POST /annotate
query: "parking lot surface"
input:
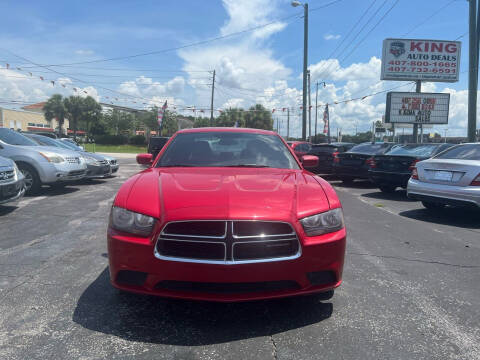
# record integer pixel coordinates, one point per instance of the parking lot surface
(411, 289)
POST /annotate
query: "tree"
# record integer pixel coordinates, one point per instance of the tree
(230, 117)
(91, 113)
(259, 118)
(55, 109)
(75, 109)
(118, 121)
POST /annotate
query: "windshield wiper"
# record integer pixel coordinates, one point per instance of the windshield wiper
(248, 165)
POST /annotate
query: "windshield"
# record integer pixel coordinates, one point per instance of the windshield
(227, 149)
(69, 145)
(413, 150)
(14, 138)
(46, 141)
(463, 152)
(369, 148)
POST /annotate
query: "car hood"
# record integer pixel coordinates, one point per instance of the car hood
(52, 149)
(215, 193)
(4, 162)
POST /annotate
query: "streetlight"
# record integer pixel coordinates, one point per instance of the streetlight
(305, 60)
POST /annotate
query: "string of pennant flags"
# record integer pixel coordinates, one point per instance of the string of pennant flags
(144, 101)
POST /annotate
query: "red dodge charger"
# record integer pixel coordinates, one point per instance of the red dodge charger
(226, 214)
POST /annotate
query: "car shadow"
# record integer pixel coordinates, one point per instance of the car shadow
(90, 182)
(54, 191)
(453, 216)
(357, 184)
(7, 209)
(399, 195)
(152, 319)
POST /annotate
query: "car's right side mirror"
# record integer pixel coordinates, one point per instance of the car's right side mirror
(145, 159)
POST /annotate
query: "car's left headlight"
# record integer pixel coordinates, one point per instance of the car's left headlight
(323, 223)
(131, 222)
(52, 157)
(90, 160)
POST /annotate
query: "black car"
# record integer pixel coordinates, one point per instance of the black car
(327, 154)
(394, 168)
(355, 163)
(155, 145)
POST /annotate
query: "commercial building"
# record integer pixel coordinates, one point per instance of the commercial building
(31, 118)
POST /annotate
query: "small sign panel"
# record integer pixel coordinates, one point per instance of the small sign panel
(415, 59)
(417, 108)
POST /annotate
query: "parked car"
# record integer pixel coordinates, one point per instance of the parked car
(12, 181)
(41, 164)
(300, 147)
(355, 163)
(226, 215)
(394, 168)
(111, 160)
(449, 178)
(97, 165)
(156, 144)
(327, 155)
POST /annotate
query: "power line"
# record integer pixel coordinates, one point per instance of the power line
(428, 18)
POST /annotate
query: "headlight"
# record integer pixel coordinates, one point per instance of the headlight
(90, 160)
(323, 223)
(131, 222)
(16, 171)
(51, 157)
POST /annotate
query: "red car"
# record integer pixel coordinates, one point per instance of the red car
(226, 214)
(300, 148)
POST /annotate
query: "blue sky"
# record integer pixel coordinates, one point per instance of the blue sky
(258, 66)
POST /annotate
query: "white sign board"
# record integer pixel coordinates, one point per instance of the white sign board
(426, 60)
(417, 108)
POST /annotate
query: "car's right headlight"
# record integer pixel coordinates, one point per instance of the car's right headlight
(90, 160)
(52, 157)
(323, 223)
(131, 222)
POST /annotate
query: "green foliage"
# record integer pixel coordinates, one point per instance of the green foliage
(203, 122)
(256, 117)
(55, 109)
(149, 120)
(137, 140)
(359, 138)
(111, 139)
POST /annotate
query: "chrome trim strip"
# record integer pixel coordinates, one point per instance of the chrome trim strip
(260, 236)
(294, 256)
(173, 258)
(196, 236)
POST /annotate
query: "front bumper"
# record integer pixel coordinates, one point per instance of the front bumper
(133, 267)
(444, 194)
(12, 191)
(65, 172)
(98, 171)
(389, 178)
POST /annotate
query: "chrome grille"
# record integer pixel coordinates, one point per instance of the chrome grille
(113, 162)
(72, 160)
(227, 242)
(6, 175)
(103, 162)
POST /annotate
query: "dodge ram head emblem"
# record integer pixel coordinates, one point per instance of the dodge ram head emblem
(397, 48)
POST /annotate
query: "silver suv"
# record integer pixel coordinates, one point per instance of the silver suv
(12, 185)
(41, 164)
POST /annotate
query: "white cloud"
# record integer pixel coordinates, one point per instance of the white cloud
(233, 103)
(84, 52)
(331, 37)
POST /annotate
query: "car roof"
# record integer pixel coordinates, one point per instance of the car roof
(227, 129)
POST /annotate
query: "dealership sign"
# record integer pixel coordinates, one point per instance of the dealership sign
(426, 60)
(417, 108)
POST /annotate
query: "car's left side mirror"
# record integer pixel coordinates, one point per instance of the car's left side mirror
(145, 159)
(309, 161)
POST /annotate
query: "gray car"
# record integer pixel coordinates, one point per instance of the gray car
(450, 178)
(12, 184)
(97, 165)
(41, 164)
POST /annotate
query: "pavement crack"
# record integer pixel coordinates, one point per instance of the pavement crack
(274, 345)
(416, 260)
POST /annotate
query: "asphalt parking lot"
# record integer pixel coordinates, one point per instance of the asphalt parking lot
(411, 289)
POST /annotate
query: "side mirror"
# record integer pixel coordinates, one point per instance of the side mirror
(144, 159)
(309, 161)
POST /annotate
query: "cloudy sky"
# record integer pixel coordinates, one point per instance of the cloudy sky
(141, 53)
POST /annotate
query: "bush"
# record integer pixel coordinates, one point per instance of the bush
(137, 140)
(111, 139)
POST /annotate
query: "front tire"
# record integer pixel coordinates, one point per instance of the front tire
(433, 206)
(32, 180)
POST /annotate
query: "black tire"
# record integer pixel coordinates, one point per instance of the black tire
(433, 206)
(387, 188)
(32, 180)
(347, 180)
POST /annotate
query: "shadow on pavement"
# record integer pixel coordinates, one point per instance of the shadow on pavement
(187, 323)
(7, 209)
(91, 182)
(357, 184)
(399, 195)
(460, 217)
(54, 191)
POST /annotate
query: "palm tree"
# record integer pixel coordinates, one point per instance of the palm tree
(55, 109)
(92, 111)
(75, 109)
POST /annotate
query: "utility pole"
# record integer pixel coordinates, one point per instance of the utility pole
(316, 111)
(211, 104)
(288, 123)
(309, 109)
(473, 70)
(415, 126)
(305, 62)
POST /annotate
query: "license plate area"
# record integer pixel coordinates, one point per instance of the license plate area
(443, 175)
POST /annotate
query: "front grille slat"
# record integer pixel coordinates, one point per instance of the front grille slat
(6, 175)
(227, 242)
